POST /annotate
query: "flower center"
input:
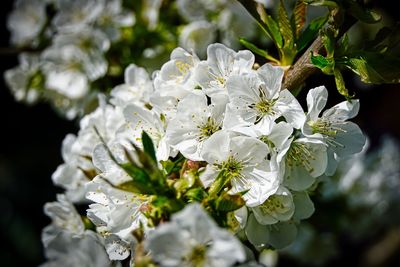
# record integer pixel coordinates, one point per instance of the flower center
(231, 166)
(326, 128)
(208, 128)
(197, 255)
(273, 205)
(300, 155)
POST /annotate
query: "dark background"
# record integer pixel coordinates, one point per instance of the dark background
(31, 140)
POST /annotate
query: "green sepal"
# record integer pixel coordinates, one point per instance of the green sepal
(216, 187)
(174, 165)
(147, 163)
(226, 202)
(161, 208)
(196, 194)
(141, 182)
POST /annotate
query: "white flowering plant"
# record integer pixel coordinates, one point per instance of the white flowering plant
(69, 51)
(210, 160)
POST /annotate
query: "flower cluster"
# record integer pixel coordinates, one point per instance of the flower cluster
(367, 183)
(69, 41)
(72, 50)
(209, 19)
(218, 132)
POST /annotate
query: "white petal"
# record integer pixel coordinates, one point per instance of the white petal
(258, 235)
(304, 207)
(290, 109)
(282, 234)
(342, 111)
(316, 101)
(272, 76)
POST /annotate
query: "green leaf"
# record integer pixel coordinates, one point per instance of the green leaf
(375, 68)
(343, 45)
(340, 86)
(322, 3)
(140, 183)
(310, 33)
(299, 16)
(361, 13)
(148, 146)
(285, 26)
(323, 63)
(329, 41)
(272, 27)
(253, 48)
(256, 50)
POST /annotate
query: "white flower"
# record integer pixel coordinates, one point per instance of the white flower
(192, 238)
(140, 119)
(25, 80)
(175, 77)
(69, 251)
(117, 249)
(174, 81)
(26, 21)
(343, 138)
(278, 207)
(194, 10)
(221, 63)
(194, 123)
(64, 218)
(77, 151)
(76, 14)
(150, 12)
(197, 36)
(112, 18)
(113, 211)
(305, 160)
(256, 98)
(245, 160)
(70, 175)
(278, 235)
(65, 72)
(137, 88)
(110, 170)
(90, 59)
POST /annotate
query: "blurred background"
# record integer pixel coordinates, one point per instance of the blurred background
(31, 139)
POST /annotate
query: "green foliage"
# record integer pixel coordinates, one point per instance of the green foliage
(298, 18)
(311, 32)
(377, 61)
(256, 50)
(148, 146)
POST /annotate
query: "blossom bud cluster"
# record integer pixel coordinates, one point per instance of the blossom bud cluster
(240, 135)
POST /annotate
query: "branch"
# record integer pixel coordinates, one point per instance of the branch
(303, 68)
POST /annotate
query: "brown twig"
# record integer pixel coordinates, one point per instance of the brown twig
(303, 68)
